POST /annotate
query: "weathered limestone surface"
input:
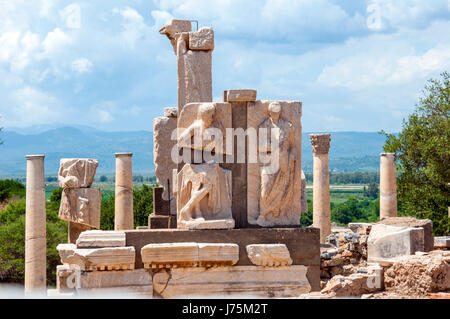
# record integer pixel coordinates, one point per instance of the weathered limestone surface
(163, 128)
(442, 242)
(171, 112)
(218, 253)
(203, 39)
(426, 224)
(35, 226)
(139, 280)
(240, 95)
(353, 285)
(194, 61)
(109, 258)
(274, 187)
(76, 172)
(272, 255)
(419, 274)
(65, 251)
(302, 243)
(388, 187)
(360, 227)
(204, 197)
(123, 215)
(386, 242)
(101, 239)
(194, 121)
(74, 230)
(81, 205)
(170, 255)
(321, 184)
(248, 281)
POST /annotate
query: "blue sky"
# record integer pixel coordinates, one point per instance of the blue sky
(355, 65)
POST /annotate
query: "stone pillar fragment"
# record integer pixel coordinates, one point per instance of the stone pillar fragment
(35, 226)
(194, 60)
(388, 187)
(321, 184)
(123, 216)
(239, 100)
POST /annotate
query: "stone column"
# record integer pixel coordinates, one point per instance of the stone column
(35, 227)
(388, 187)
(321, 184)
(124, 218)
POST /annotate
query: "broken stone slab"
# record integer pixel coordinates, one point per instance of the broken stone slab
(203, 39)
(207, 224)
(109, 258)
(386, 242)
(360, 228)
(272, 255)
(76, 172)
(188, 255)
(174, 27)
(236, 281)
(224, 254)
(101, 239)
(171, 112)
(353, 285)
(409, 221)
(81, 205)
(241, 95)
(169, 254)
(442, 242)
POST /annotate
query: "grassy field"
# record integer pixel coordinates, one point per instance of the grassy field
(340, 193)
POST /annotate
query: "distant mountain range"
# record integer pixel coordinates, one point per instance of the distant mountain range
(349, 152)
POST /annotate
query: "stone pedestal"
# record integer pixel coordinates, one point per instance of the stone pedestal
(123, 218)
(35, 226)
(321, 184)
(388, 187)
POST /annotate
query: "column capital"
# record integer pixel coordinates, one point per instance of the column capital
(32, 157)
(123, 154)
(388, 155)
(320, 143)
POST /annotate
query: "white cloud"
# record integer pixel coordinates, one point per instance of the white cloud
(82, 66)
(55, 41)
(72, 16)
(31, 107)
(134, 25)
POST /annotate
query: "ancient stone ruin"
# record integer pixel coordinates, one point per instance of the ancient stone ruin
(227, 208)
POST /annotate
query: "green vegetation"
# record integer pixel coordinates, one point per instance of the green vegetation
(10, 188)
(12, 240)
(142, 207)
(423, 157)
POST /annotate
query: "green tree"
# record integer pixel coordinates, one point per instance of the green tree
(371, 191)
(12, 240)
(423, 157)
(103, 179)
